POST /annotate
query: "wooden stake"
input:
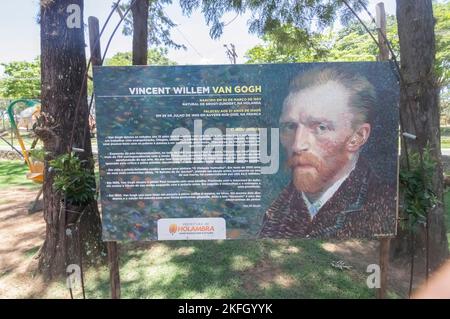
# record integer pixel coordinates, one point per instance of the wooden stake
(113, 256)
(381, 27)
(384, 242)
(114, 275)
(94, 42)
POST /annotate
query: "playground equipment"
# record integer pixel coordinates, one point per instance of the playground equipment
(36, 173)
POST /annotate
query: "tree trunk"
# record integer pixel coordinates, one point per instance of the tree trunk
(140, 32)
(419, 108)
(63, 65)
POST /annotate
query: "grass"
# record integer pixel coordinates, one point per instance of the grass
(445, 137)
(13, 173)
(216, 269)
(447, 208)
(445, 142)
(227, 269)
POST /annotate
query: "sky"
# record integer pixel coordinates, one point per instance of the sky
(19, 32)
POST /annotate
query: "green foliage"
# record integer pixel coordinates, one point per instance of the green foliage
(353, 43)
(441, 12)
(416, 186)
(22, 79)
(445, 101)
(282, 46)
(214, 10)
(445, 131)
(38, 154)
(73, 179)
(268, 15)
(159, 24)
(157, 56)
(290, 44)
(120, 59)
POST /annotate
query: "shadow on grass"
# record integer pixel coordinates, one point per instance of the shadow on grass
(230, 269)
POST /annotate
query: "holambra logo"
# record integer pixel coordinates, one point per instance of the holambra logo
(173, 228)
(191, 228)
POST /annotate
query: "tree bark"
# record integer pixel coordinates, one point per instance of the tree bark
(140, 32)
(419, 108)
(63, 66)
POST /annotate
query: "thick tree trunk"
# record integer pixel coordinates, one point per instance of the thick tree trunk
(63, 64)
(140, 32)
(419, 107)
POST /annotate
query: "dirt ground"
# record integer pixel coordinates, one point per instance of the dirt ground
(21, 235)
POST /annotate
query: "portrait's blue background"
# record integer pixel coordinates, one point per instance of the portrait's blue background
(116, 115)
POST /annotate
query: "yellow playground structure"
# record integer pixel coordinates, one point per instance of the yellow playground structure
(36, 168)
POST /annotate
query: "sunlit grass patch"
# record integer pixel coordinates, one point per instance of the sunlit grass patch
(13, 173)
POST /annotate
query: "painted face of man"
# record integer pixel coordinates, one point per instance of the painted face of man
(318, 132)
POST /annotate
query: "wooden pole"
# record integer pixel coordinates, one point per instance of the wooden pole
(386, 241)
(381, 27)
(113, 256)
(114, 276)
(139, 11)
(385, 244)
(94, 44)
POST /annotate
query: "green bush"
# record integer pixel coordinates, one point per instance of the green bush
(445, 131)
(416, 184)
(73, 179)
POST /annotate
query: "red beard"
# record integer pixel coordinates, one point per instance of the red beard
(311, 174)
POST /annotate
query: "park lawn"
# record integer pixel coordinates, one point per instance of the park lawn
(445, 142)
(212, 269)
(225, 269)
(445, 137)
(447, 208)
(13, 174)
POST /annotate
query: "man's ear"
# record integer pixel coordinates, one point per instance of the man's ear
(359, 137)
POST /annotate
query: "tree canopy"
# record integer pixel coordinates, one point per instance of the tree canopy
(23, 79)
(310, 16)
(287, 43)
(351, 43)
(156, 56)
(441, 13)
(159, 24)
